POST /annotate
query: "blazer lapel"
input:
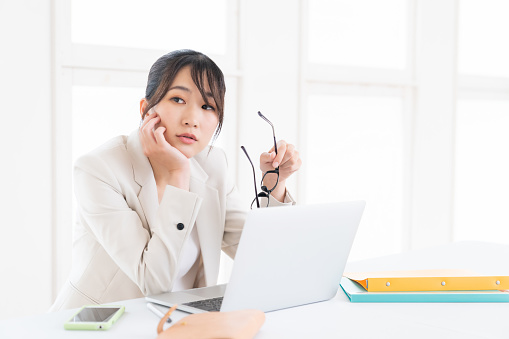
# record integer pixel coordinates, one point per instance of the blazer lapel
(209, 222)
(144, 176)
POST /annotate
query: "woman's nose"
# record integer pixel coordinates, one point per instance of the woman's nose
(190, 118)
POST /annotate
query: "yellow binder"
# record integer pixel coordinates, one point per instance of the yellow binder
(427, 280)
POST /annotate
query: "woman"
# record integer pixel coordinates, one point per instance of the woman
(156, 207)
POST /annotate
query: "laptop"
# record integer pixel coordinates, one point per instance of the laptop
(287, 256)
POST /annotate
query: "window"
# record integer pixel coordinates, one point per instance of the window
(101, 113)
(482, 168)
(482, 121)
(366, 33)
(483, 47)
(356, 118)
(152, 24)
(355, 145)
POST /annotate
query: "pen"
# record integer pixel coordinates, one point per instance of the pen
(157, 311)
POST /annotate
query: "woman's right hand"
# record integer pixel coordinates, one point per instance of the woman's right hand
(170, 166)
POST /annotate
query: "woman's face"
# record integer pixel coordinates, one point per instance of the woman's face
(189, 121)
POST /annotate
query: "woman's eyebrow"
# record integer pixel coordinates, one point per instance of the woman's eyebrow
(181, 88)
(208, 94)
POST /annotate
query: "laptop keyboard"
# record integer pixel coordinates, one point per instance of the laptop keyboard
(210, 305)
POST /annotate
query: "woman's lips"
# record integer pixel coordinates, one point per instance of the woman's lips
(187, 138)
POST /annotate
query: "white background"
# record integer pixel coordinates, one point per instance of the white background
(402, 103)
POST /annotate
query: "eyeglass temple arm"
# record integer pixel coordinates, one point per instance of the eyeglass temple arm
(254, 176)
(273, 133)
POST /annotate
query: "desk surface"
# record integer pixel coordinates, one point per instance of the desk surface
(337, 317)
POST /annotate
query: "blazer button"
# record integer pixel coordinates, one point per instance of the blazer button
(180, 226)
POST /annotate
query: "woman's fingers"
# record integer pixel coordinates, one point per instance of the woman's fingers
(147, 119)
(159, 135)
(148, 129)
(147, 136)
(287, 158)
(281, 150)
(291, 166)
(285, 152)
(267, 158)
(165, 159)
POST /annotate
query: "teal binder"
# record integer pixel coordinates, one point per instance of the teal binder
(357, 294)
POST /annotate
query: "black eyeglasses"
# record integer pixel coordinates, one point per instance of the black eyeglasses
(265, 193)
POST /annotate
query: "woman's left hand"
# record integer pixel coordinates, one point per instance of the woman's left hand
(289, 162)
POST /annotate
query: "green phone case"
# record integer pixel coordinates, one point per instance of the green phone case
(70, 325)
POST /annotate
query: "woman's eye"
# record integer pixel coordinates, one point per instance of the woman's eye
(177, 100)
(208, 107)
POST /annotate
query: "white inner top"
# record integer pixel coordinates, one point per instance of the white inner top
(188, 263)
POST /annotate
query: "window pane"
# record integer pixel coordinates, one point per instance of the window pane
(101, 113)
(355, 152)
(365, 33)
(482, 168)
(151, 24)
(483, 47)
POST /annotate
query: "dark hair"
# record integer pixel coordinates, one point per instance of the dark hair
(164, 70)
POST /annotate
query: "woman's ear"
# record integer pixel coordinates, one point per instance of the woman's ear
(143, 105)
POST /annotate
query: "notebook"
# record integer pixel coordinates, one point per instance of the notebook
(287, 256)
(427, 280)
(357, 293)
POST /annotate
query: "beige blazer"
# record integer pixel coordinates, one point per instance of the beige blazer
(126, 244)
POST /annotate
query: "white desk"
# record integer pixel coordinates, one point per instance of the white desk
(337, 318)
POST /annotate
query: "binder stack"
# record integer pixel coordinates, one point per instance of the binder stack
(425, 286)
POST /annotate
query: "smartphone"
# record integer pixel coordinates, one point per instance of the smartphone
(95, 317)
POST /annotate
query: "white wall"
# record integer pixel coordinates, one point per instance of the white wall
(25, 139)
